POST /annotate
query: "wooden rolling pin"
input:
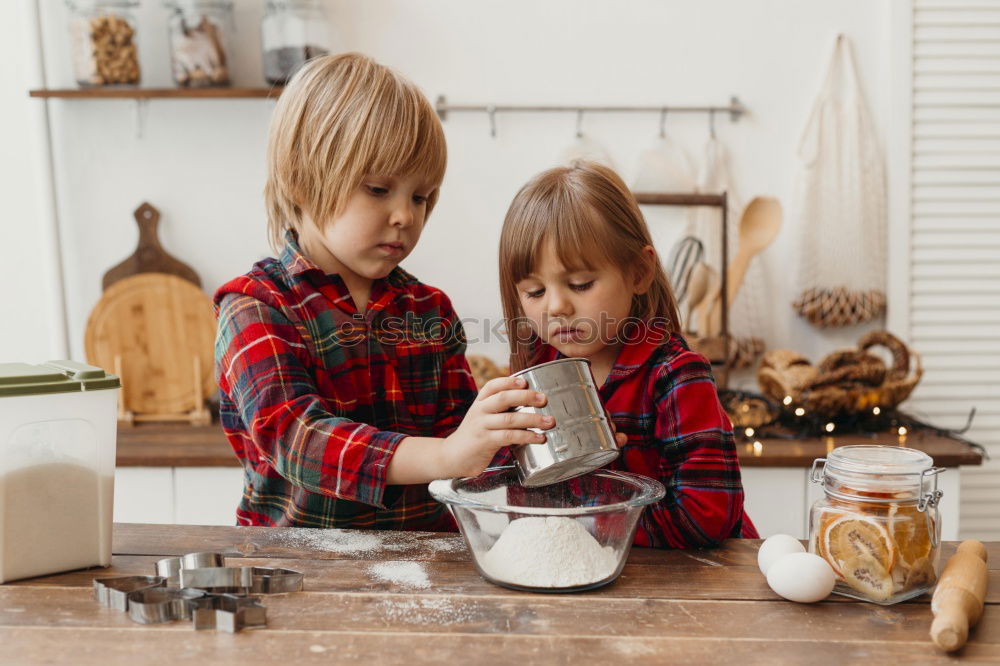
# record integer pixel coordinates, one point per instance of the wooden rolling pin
(958, 601)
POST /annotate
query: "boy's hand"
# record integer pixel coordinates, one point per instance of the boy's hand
(490, 425)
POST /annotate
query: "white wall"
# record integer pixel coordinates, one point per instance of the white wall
(31, 320)
(201, 162)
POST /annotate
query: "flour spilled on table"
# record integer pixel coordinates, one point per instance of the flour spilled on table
(368, 544)
(548, 552)
(406, 574)
(436, 611)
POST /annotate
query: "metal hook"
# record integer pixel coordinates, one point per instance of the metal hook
(579, 123)
(663, 123)
(141, 112)
(492, 112)
(711, 123)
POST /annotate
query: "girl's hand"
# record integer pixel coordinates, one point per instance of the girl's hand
(490, 425)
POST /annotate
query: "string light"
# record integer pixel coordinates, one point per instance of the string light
(806, 423)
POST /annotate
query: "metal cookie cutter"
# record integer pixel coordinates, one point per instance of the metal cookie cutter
(276, 581)
(114, 592)
(218, 579)
(170, 567)
(229, 612)
(206, 571)
(161, 604)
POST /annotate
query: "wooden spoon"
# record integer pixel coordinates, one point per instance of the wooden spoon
(697, 288)
(705, 307)
(759, 225)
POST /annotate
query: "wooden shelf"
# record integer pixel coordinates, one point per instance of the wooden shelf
(680, 199)
(158, 93)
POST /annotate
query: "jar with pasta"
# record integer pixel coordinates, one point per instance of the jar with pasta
(199, 39)
(103, 36)
(877, 524)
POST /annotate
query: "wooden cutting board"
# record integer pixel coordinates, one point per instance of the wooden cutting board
(157, 324)
(149, 255)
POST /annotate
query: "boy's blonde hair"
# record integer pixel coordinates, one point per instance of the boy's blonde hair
(591, 218)
(339, 119)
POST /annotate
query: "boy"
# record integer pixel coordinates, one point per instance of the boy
(344, 383)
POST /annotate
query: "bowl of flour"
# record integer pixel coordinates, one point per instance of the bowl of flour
(568, 536)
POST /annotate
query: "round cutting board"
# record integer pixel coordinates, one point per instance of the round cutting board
(157, 324)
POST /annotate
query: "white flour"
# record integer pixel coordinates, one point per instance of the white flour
(436, 611)
(548, 552)
(407, 574)
(54, 517)
(366, 545)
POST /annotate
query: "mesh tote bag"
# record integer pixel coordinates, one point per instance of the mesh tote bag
(841, 204)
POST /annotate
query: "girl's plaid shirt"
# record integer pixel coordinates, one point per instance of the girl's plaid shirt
(662, 396)
(316, 397)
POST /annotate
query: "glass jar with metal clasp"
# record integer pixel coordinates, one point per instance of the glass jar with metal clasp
(103, 42)
(292, 32)
(877, 524)
(199, 33)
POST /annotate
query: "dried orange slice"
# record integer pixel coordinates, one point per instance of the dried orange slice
(849, 536)
(922, 573)
(910, 531)
(867, 576)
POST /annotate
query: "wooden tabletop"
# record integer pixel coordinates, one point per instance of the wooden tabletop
(171, 445)
(667, 606)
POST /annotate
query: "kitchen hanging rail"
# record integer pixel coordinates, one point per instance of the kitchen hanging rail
(735, 109)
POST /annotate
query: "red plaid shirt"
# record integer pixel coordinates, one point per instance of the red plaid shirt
(316, 396)
(662, 395)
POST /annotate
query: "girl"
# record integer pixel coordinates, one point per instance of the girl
(579, 277)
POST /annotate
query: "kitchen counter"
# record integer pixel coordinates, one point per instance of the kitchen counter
(678, 606)
(168, 445)
(170, 473)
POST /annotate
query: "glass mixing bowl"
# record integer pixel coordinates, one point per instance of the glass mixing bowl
(568, 536)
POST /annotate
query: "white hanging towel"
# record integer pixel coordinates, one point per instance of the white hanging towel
(714, 177)
(664, 167)
(586, 149)
(840, 203)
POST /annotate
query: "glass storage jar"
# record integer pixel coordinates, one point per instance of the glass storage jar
(103, 45)
(198, 31)
(877, 524)
(292, 32)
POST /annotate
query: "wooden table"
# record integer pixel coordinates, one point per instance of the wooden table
(667, 606)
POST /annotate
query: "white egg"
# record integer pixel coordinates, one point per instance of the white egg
(801, 577)
(774, 547)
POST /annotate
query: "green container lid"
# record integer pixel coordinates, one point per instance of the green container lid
(53, 377)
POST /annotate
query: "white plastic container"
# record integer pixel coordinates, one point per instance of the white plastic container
(58, 430)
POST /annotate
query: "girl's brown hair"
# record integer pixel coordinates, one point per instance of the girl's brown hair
(591, 219)
(339, 119)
